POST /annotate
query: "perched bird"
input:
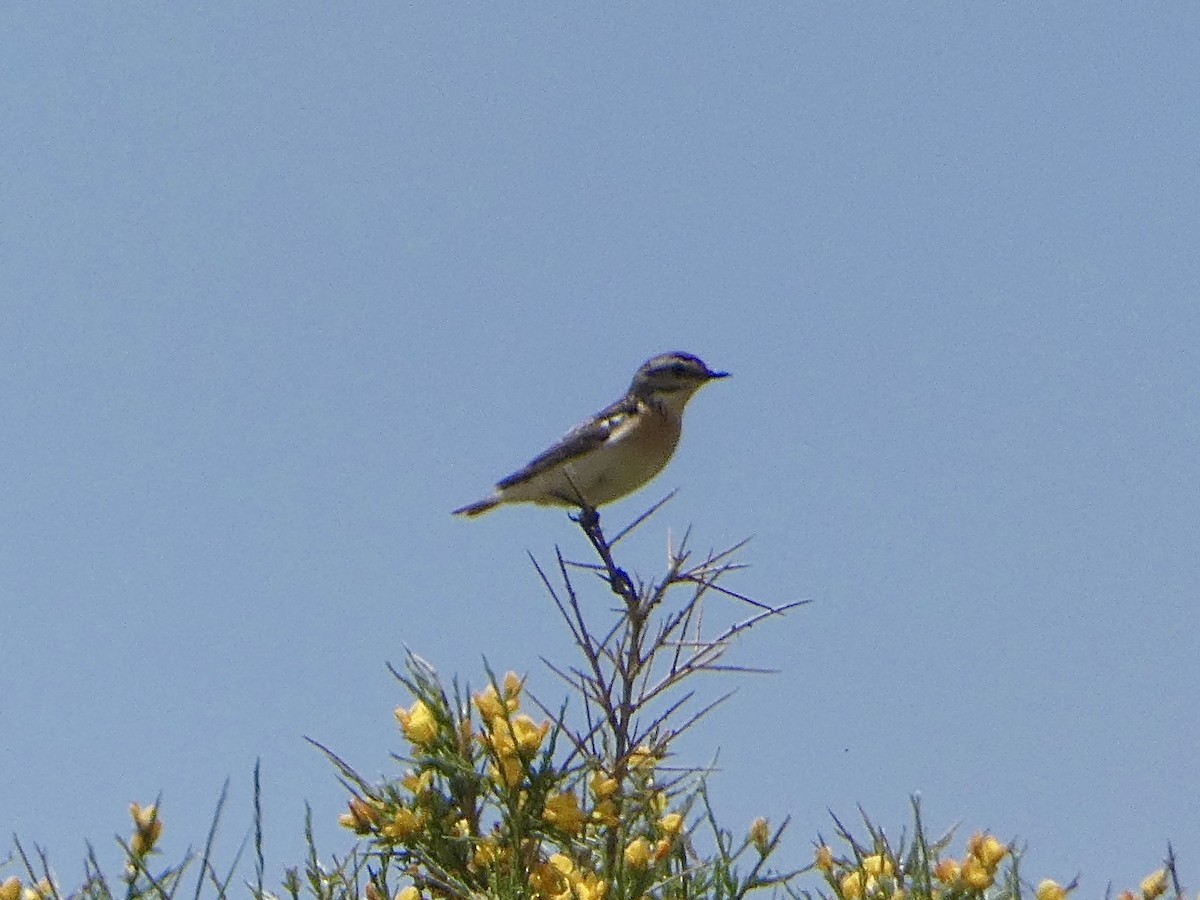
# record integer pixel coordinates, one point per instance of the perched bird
(617, 450)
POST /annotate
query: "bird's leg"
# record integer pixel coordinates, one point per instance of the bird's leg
(589, 518)
(618, 578)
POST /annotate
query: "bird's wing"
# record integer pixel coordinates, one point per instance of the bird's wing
(581, 439)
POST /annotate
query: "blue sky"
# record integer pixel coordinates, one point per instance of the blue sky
(282, 284)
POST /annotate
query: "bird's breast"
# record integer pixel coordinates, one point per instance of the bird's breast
(634, 453)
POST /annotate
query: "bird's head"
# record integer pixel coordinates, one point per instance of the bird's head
(672, 378)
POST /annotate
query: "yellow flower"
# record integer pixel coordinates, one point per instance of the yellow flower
(853, 885)
(975, 874)
(488, 853)
(404, 824)
(604, 786)
(362, 817)
(588, 886)
(1154, 885)
(637, 853)
(549, 881)
(760, 835)
(563, 811)
(143, 817)
(508, 771)
(520, 735)
(418, 723)
(11, 889)
(662, 849)
(1051, 890)
(492, 706)
(143, 841)
(512, 687)
(877, 864)
(148, 828)
(824, 858)
(408, 893)
(43, 890)
(643, 758)
(560, 861)
(418, 784)
(605, 813)
(671, 824)
(989, 851)
(529, 734)
(947, 871)
(489, 704)
(461, 828)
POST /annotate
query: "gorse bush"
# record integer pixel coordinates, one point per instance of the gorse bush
(505, 795)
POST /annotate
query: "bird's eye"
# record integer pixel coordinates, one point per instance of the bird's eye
(678, 368)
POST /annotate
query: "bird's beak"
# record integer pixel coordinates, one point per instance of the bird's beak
(712, 375)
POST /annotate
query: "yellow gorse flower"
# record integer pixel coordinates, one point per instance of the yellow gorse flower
(512, 686)
(643, 759)
(418, 783)
(489, 704)
(824, 859)
(760, 834)
(947, 871)
(1154, 885)
(418, 724)
(529, 734)
(562, 811)
(549, 880)
(10, 889)
(988, 850)
(408, 893)
(1051, 890)
(488, 853)
(605, 813)
(877, 864)
(559, 878)
(671, 824)
(147, 828)
(975, 874)
(853, 885)
(492, 705)
(662, 849)
(604, 786)
(637, 853)
(404, 824)
(588, 886)
(517, 736)
(508, 771)
(362, 818)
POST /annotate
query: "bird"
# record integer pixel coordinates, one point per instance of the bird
(616, 451)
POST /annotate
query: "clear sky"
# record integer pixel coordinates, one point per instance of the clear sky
(281, 284)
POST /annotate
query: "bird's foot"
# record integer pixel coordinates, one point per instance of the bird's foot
(588, 518)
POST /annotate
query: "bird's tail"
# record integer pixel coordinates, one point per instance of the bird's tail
(477, 509)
